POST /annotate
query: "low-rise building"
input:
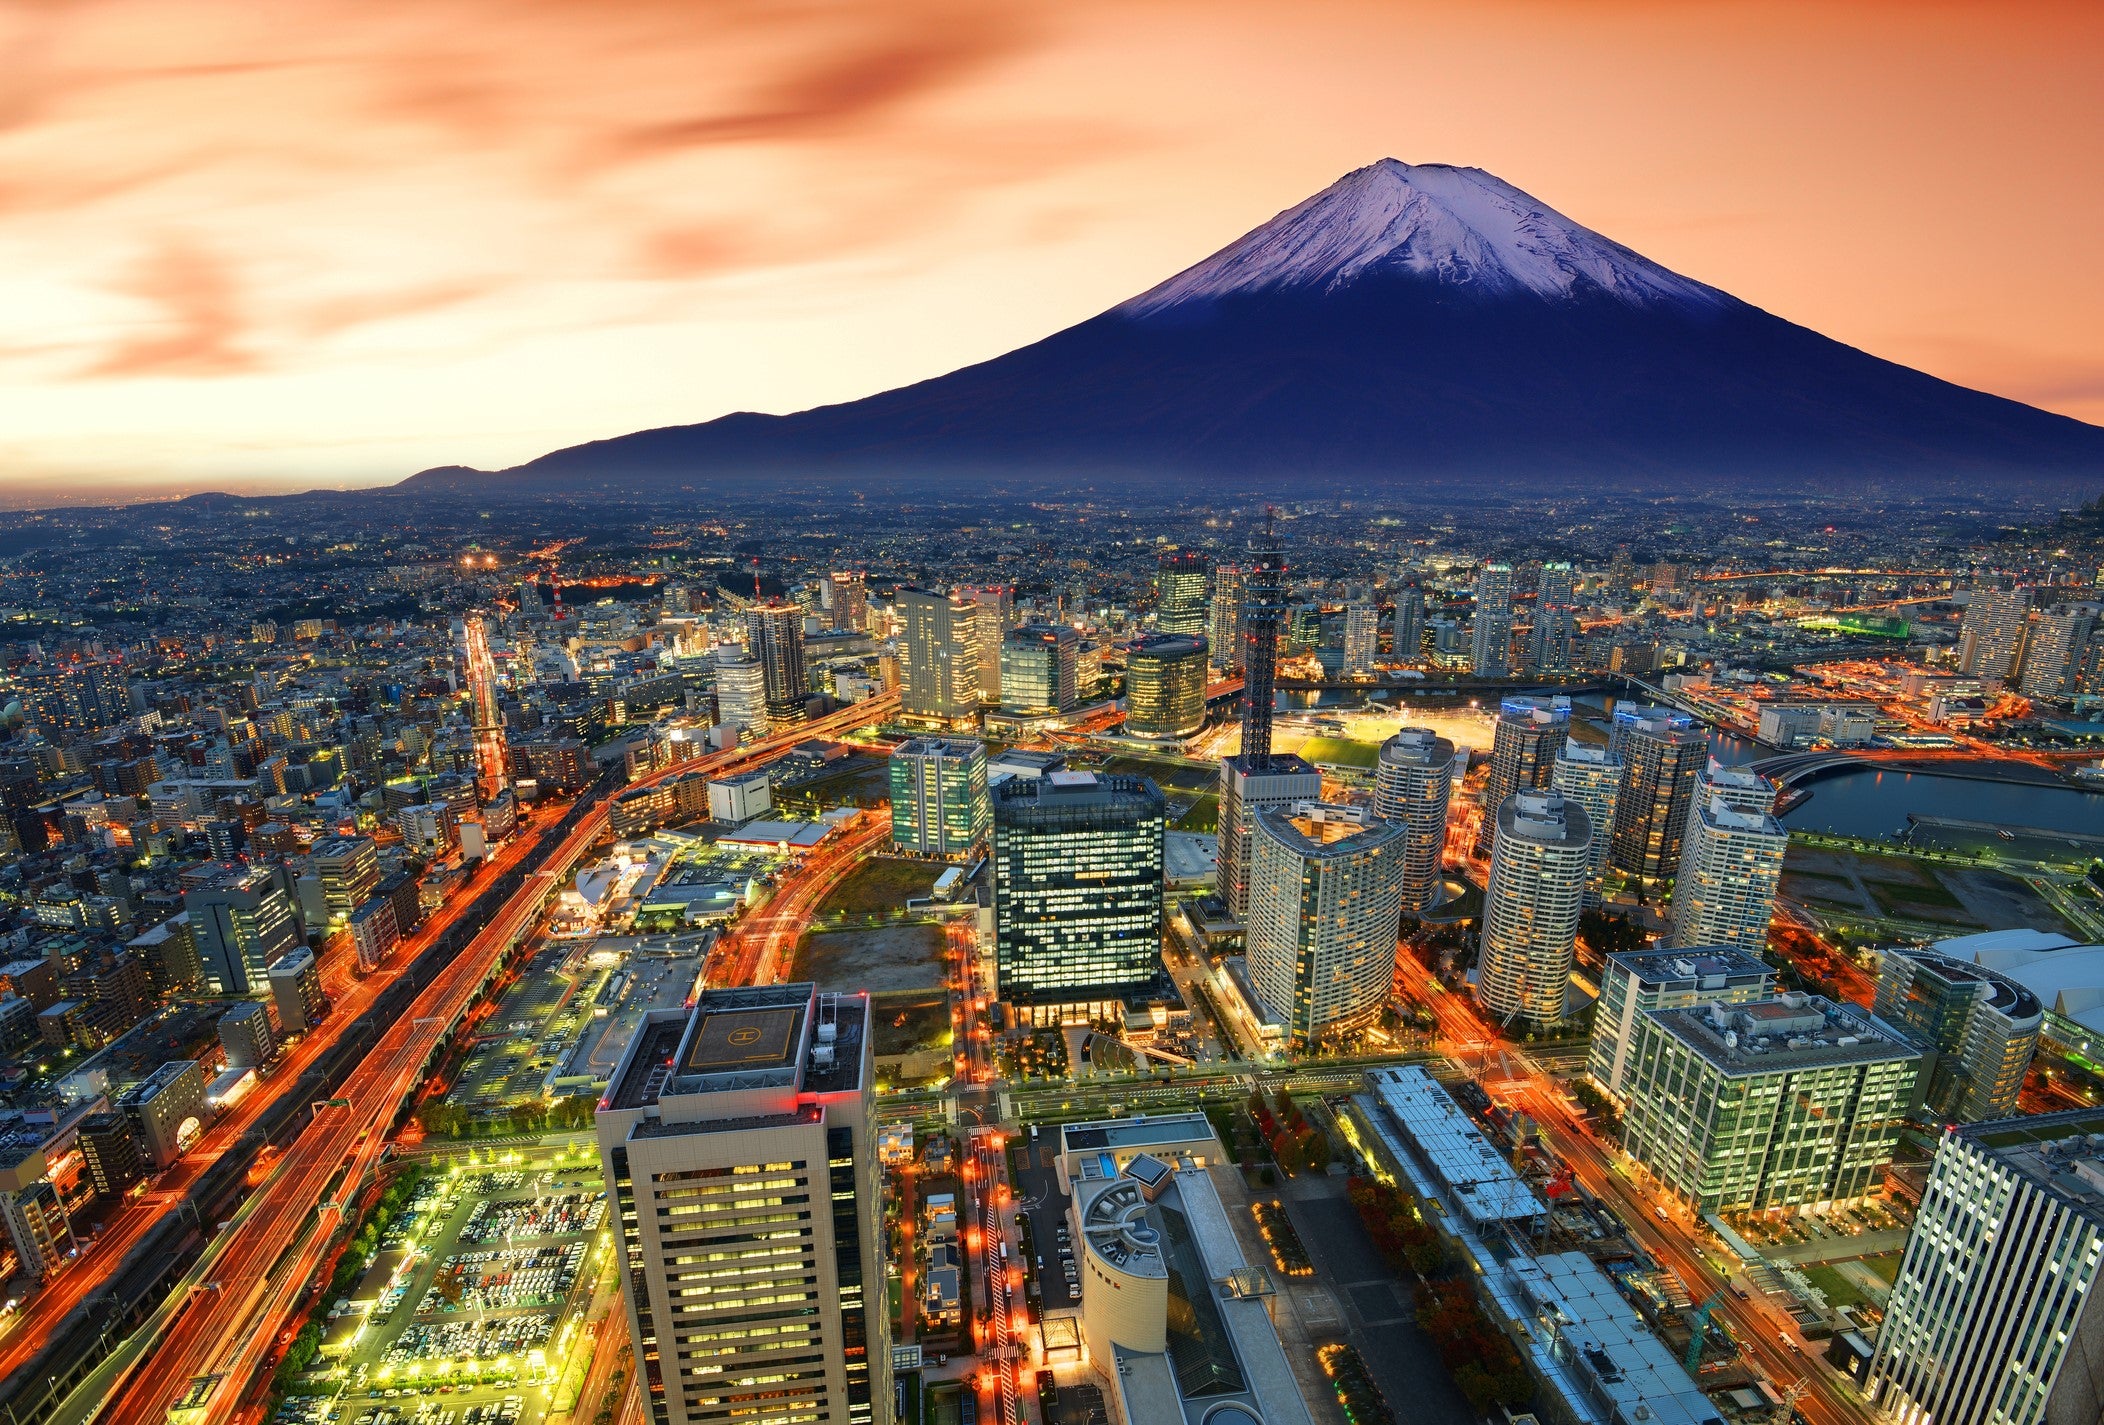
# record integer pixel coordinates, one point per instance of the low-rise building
(1977, 1030)
(167, 1111)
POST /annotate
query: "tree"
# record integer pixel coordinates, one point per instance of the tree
(1475, 1383)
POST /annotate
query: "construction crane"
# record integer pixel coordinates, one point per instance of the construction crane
(488, 722)
(1702, 1320)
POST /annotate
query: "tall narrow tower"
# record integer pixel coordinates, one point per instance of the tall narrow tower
(1263, 610)
(489, 723)
(1255, 778)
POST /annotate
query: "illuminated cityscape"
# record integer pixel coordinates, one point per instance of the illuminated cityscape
(987, 728)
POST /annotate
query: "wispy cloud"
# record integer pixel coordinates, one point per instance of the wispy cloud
(199, 327)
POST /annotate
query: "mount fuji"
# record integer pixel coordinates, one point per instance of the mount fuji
(1408, 324)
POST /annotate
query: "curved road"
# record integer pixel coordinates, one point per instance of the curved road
(253, 1279)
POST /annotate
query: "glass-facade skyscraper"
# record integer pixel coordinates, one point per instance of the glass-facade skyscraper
(1040, 669)
(1165, 686)
(1077, 866)
(1179, 591)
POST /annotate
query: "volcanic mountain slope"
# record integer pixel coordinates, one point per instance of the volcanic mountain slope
(1407, 323)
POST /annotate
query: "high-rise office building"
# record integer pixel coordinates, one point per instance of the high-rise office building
(993, 613)
(1538, 866)
(1413, 783)
(1225, 619)
(1040, 669)
(1179, 592)
(1991, 634)
(1976, 1027)
(1410, 622)
(1592, 777)
(735, 1139)
(1785, 1102)
(1635, 982)
(1530, 732)
(850, 601)
(1256, 777)
(938, 797)
(1324, 901)
(939, 658)
(741, 691)
(2054, 648)
(241, 920)
(1362, 639)
(1077, 870)
(1490, 650)
(774, 635)
(1662, 752)
(1995, 1315)
(1731, 863)
(1165, 675)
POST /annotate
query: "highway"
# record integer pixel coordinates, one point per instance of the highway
(351, 997)
(248, 1289)
(763, 946)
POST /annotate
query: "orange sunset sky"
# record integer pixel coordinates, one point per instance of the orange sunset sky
(331, 242)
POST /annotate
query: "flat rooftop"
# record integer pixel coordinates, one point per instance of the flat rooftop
(1700, 967)
(781, 1037)
(2062, 1152)
(1141, 1132)
(1607, 1342)
(742, 1039)
(1474, 1172)
(1783, 1034)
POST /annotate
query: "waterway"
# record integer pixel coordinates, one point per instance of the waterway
(1872, 802)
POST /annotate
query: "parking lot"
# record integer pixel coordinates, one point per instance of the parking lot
(502, 1264)
(1039, 1199)
(435, 1410)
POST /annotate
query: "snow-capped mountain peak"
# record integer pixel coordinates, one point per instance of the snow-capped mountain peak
(1459, 227)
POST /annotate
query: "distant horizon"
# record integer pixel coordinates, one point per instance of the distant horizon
(472, 243)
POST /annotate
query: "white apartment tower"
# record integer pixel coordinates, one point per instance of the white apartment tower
(1491, 642)
(1538, 866)
(1730, 865)
(1992, 632)
(1362, 639)
(1592, 777)
(1413, 784)
(1325, 897)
